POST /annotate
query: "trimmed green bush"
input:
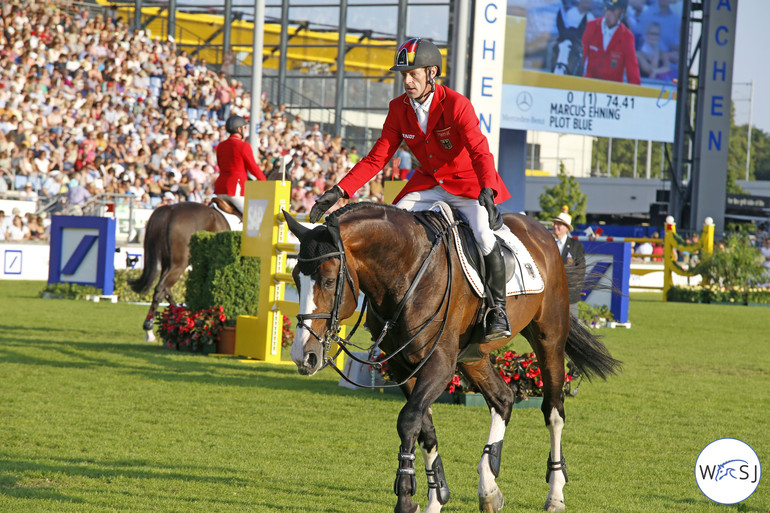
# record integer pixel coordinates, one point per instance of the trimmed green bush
(220, 276)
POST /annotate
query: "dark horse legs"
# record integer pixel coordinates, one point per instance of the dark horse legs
(415, 424)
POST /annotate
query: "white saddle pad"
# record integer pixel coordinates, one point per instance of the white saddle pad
(526, 278)
(232, 219)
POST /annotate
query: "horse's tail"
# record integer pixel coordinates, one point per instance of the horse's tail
(587, 352)
(154, 238)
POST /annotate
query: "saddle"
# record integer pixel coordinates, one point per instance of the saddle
(232, 215)
(521, 273)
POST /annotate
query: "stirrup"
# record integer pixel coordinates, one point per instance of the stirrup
(499, 333)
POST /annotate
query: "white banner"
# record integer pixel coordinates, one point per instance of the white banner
(588, 113)
(487, 72)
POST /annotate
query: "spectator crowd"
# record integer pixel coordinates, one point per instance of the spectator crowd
(89, 106)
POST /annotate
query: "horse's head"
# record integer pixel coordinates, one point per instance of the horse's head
(568, 49)
(326, 294)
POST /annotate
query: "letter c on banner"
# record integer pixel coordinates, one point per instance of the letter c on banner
(486, 13)
(721, 42)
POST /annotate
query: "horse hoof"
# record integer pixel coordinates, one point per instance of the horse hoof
(554, 505)
(149, 336)
(415, 508)
(492, 503)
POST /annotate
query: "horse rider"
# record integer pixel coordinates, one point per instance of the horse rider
(441, 129)
(236, 163)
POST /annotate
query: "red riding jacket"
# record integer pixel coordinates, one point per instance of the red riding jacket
(619, 56)
(453, 152)
(235, 157)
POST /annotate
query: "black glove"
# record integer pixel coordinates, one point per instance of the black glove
(325, 202)
(487, 200)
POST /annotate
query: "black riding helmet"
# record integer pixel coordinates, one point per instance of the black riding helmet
(417, 53)
(233, 123)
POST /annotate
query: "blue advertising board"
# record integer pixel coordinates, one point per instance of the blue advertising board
(82, 251)
(608, 274)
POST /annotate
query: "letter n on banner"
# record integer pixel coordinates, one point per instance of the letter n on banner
(487, 72)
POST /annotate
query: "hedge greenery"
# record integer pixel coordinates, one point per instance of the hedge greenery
(220, 276)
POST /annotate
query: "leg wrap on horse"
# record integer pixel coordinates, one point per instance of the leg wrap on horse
(556, 465)
(405, 468)
(495, 452)
(437, 480)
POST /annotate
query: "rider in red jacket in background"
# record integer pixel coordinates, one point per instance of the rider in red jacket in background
(609, 50)
(441, 129)
(236, 161)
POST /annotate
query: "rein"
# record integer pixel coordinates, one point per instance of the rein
(332, 333)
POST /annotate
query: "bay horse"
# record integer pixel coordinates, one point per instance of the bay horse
(166, 250)
(568, 48)
(423, 314)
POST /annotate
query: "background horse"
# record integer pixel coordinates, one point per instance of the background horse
(423, 314)
(167, 234)
(567, 51)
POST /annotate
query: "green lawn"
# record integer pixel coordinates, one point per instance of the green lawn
(92, 419)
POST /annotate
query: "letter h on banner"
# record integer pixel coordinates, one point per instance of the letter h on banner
(83, 251)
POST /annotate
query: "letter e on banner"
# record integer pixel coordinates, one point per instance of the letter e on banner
(487, 72)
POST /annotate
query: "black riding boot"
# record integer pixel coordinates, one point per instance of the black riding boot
(496, 320)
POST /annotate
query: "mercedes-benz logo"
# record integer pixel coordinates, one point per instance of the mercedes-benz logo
(524, 101)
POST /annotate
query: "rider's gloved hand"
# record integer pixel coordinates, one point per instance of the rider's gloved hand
(487, 200)
(325, 202)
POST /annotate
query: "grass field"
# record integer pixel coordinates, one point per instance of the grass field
(92, 419)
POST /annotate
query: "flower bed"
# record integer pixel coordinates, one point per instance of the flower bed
(183, 329)
(520, 371)
(719, 294)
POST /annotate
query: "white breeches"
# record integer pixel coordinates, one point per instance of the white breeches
(476, 214)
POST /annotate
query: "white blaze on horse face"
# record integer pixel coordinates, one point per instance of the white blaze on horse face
(306, 305)
(562, 60)
(487, 485)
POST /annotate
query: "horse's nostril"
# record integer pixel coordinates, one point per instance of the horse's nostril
(311, 360)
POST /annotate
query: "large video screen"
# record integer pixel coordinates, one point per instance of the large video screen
(604, 68)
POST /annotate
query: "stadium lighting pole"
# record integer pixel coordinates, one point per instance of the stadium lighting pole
(256, 73)
(460, 44)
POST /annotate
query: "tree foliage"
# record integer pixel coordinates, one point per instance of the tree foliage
(622, 157)
(565, 193)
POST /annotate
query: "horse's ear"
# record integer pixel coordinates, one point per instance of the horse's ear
(560, 23)
(583, 22)
(295, 226)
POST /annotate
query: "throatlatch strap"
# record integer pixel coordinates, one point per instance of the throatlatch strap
(556, 465)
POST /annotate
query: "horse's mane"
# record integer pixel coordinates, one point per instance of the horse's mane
(351, 207)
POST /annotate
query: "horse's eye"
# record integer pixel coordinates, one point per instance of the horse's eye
(328, 283)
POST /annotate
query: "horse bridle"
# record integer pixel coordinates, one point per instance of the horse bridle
(332, 332)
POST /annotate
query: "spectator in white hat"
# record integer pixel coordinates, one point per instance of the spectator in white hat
(573, 256)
